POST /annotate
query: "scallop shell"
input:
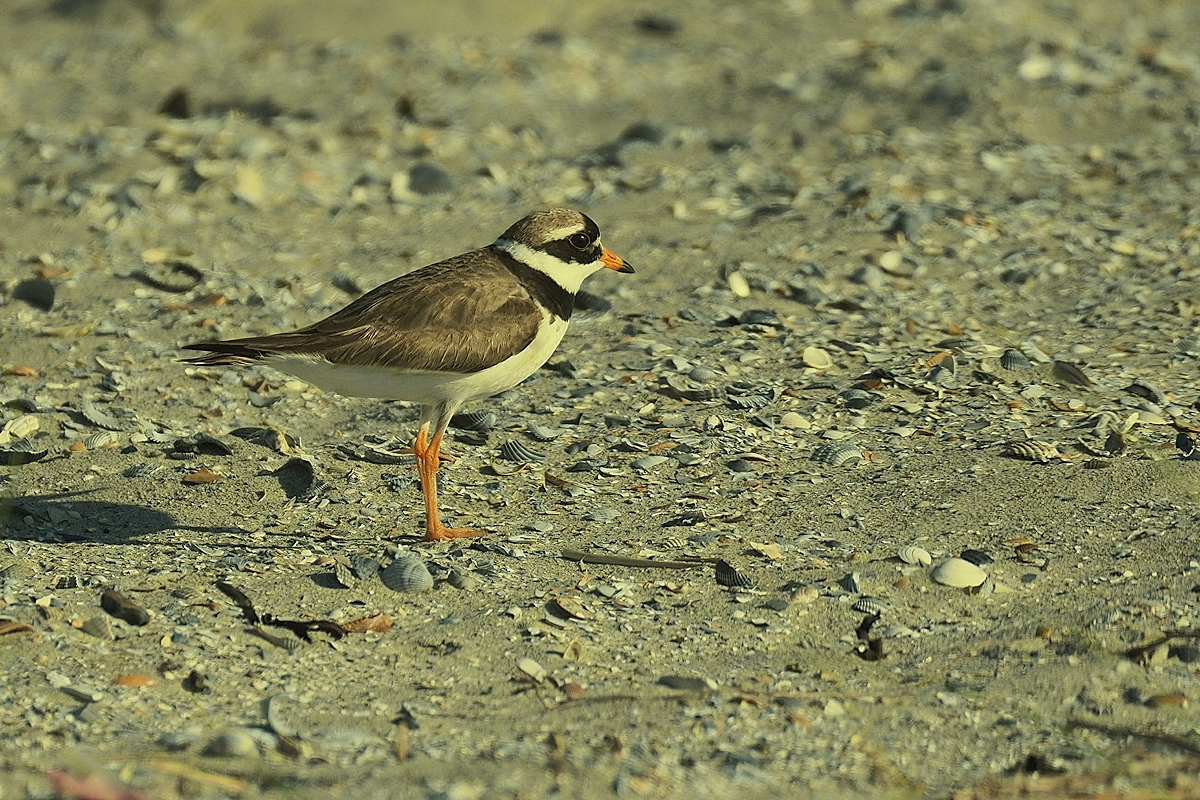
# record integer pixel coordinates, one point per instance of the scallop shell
(958, 573)
(364, 567)
(1032, 450)
(101, 440)
(750, 401)
(835, 454)
(1189, 345)
(729, 575)
(407, 573)
(481, 421)
(869, 605)
(99, 418)
(911, 554)
(519, 452)
(1014, 360)
(544, 433)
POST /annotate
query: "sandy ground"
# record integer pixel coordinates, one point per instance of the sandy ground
(923, 234)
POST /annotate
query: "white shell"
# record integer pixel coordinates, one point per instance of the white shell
(1032, 450)
(958, 573)
(407, 573)
(911, 554)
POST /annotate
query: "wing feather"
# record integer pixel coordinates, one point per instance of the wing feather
(452, 316)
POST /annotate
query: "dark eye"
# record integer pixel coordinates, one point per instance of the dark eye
(580, 241)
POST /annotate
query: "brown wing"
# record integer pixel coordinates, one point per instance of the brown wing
(459, 315)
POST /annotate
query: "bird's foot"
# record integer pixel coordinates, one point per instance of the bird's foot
(441, 532)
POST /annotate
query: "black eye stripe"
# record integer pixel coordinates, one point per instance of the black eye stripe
(564, 251)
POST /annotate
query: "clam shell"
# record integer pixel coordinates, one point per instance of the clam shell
(1032, 450)
(958, 573)
(911, 554)
(750, 401)
(519, 452)
(101, 440)
(729, 575)
(407, 573)
(1014, 360)
(481, 421)
(977, 557)
(835, 454)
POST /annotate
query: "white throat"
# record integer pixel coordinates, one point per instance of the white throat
(568, 275)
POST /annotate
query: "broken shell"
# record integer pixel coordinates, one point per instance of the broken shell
(728, 575)
(407, 573)
(869, 605)
(519, 452)
(911, 554)
(979, 558)
(101, 439)
(364, 567)
(479, 421)
(648, 462)
(171, 276)
(958, 573)
(835, 454)
(1032, 450)
(1066, 372)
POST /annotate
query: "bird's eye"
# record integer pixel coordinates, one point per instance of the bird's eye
(580, 241)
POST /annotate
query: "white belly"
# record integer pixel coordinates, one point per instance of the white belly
(424, 386)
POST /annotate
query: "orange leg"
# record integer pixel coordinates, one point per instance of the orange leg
(427, 467)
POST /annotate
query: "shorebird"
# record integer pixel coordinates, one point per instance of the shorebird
(446, 334)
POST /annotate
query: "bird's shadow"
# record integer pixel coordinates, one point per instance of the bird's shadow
(72, 517)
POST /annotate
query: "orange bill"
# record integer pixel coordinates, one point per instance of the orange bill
(614, 261)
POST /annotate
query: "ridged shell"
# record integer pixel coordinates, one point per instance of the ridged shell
(835, 454)
(850, 582)
(481, 421)
(911, 554)
(101, 440)
(729, 575)
(364, 567)
(1014, 360)
(869, 605)
(958, 573)
(1189, 345)
(519, 452)
(648, 462)
(99, 418)
(1032, 450)
(750, 401)
(977, 557)
(544, 433)
(407, 573)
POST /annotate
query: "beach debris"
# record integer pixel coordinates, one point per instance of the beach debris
(1033, 450)
(912, 554)
(121, 607)
(406, 573)
(835, 454)
(959, 574)
(729, 575)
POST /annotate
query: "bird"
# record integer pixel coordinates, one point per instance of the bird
(446, 334)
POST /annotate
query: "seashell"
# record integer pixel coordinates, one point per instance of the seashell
(601, 515)
(544, 433)
(203, 444)
(1066, 372)
(750, 401)
(648, 462)
(480, 421)
(22, 451)
(911, 554)
(143, 470)
(407, 573)
(857, 398)
(702, 374)
(101, 440)
(816, 358)
(835, 454)
(1014, 360)
(99, 418)
(958, 573)
(1185, 443)
(979, 558)
(1032, 450)
(850, 582)
(22, 427)
(344, 575)
(760, 316)
(99, 627)
(269, 438)
(1147, 390)
(729, 575)
(869, 605)
(364, 567)
(519, 452)
(1189, 345)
